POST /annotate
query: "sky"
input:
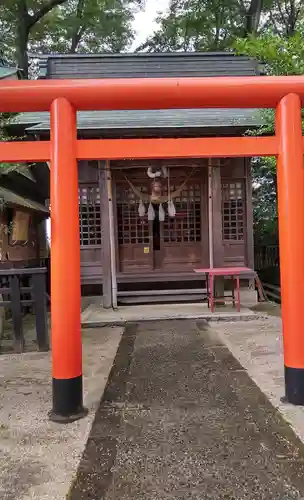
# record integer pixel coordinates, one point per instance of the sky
(144, 23)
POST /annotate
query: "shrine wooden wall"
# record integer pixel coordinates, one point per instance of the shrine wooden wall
(90, 222)
(236, 212)
(184, 238)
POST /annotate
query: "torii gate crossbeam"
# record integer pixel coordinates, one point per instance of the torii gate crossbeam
(64, 97)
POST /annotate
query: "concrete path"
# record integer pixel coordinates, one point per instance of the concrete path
(181, 419)
(94, 315)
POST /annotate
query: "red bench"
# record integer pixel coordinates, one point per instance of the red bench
(235, 274)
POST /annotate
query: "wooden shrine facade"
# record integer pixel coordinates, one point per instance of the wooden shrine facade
(212, 221)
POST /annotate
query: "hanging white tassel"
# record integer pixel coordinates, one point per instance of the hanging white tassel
(151, 212)
(171, 206)
(141, 209)
(171, 209)
(161, 213)
(164, 172)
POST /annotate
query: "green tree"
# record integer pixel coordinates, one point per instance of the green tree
(204, 24)
(215, 24)
(5, 168)
(284, 16)
(64, 26)
(18, 20)
(280, 56)
(87, 26)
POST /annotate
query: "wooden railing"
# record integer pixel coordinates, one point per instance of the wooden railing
(267, 264)
(272, 292)
(21, 288)
(267, 257)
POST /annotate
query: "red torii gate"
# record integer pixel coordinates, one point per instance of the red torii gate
(64, 97)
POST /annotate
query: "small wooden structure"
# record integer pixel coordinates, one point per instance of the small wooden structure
(23, 240)
(134, 252)
(23, 207)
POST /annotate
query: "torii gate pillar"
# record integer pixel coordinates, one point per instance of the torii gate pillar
(65, 268)
(290, 176)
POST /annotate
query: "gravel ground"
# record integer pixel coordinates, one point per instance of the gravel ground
(38, 458)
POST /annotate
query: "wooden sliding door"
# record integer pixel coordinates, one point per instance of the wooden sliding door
(182, 234)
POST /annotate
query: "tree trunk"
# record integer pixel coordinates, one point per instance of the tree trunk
(253, 16)
(74, 42)
(76, 39)
(22, 37)
(25, 23)
(292, 19)
(79, 30)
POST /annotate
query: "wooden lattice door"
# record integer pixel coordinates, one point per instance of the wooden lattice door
(234, 221)
(182, 238)
(172, 245)
(90, 230)
(133, 231)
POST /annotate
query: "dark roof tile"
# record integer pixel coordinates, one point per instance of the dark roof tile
(152, 119)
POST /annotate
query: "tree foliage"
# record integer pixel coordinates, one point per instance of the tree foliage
(280, 56)
(87, 26)
(64, 26)
(5, 119)
(265, 220)
(214, 24)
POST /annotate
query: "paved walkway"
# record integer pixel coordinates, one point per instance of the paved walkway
(94, 315)
(181, 419)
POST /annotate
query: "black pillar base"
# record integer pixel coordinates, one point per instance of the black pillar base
(294, 386)
(67, 400)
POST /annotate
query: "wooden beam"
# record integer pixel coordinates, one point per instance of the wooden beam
(217, 224)
(210, 213)
(249, 217)
(105, 231)
(204, 217)
(217, 227)
(113, 246)
(122, 149)
(217, 147)
(17, 151)
(150, 93)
